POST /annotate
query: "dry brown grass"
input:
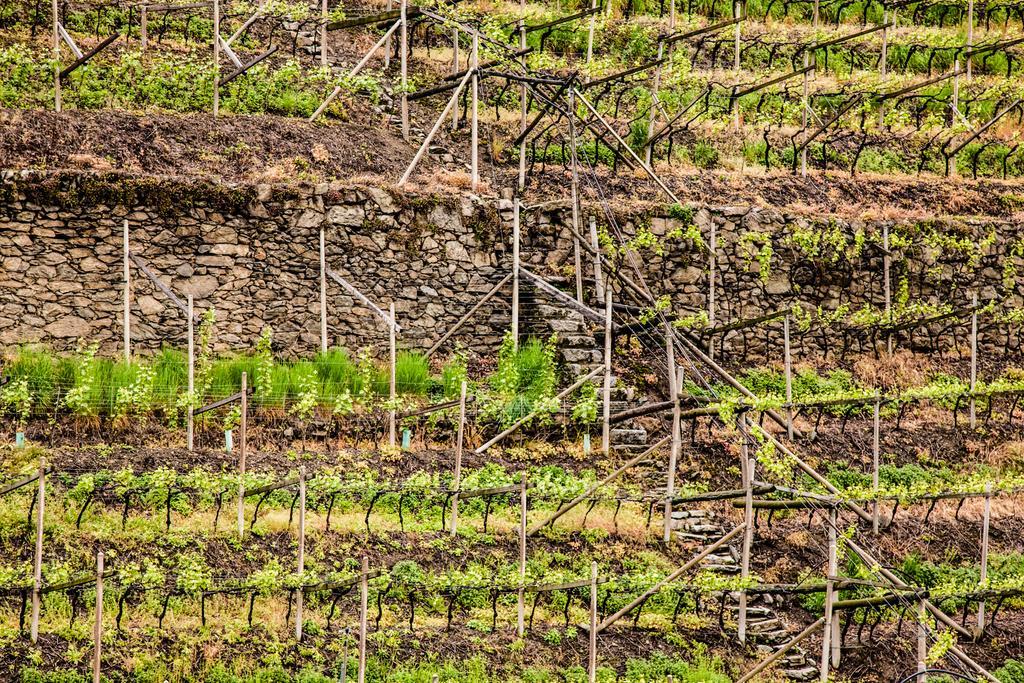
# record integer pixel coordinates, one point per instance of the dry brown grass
(900, 370)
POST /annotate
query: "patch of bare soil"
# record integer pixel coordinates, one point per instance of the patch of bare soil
(269, 149)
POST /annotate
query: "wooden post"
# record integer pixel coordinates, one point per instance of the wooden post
(515, 272)
(323, 34)
(323, 292)
(712, 269)
(457, 479)
(37, 563)
(748, 521)
(673, 391)
(883, 66)
(887, 284)
(653, 116)
(955, 104)
(592, 666)
(404, 46)
(806, 104)
(301, 564)
(974, 358)
(787, 363)
(736, 58)
(97, 629)
(127, 298)
(474, 152)
(216, 57)
(364, 591)
(455, 70)
(826, 641)
(521, 611)
(595, 246)
(191, 372)
(143, 28)
(523, 102)
(922, 640)
(577, 260)
(392, 394)
(606, 398)
(590, 38)
(875, 464)
(970, 36)
(817, 3)
(835, 638)
(387, 52)
(243, 425)
(57, 105)
(983, 577)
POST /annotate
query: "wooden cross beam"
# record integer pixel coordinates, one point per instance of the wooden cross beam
(82, 59)
(245, 67)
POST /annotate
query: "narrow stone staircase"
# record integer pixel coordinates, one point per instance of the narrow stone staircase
(766, 629)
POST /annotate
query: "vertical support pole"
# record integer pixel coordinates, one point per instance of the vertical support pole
(575, 194)
(590, 38)
(97, 629)
(515, 272)
(955, 104)
(875, 464)
(37, 561)
(970, 36)
(592, 649)
(521, 610)
(404, 46)
(323, 292)
(301, 563)
(826, 641)
(144, 28)
(673, 392)
(457, 478)
(712, 277)
(736, 61)
(388, 49)
(191, 371)
(392, 347)
(522, 110)
(323, 34)
(455, 70)
(606, 398)
(127, 297)
(974, 359)
(241, 454)
(595, 244)
(748, 519)
(652, 117)
(887, 284)
(883, 61)
(216, 57)
(817, 12)
(922, 640)
(364, 591)
(787, 364)
(806, 105)
(57, 103)
(474, 153)
(983, 576)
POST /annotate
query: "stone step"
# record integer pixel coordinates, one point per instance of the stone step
(764, 624)
(723, 568)
(807, 673)
(627, 436)
(752, 612)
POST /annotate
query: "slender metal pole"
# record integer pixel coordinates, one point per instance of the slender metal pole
(875, 463)
(883, 61)
(983, 575)
(673, 391)
(455, 70)
(606, 398)
(590, 38)
(475, 122)
(392, 394)
(970, 36)
(191, 372)
(523, 104)
(387, 53)
(364, 591)
(922, 640)
(712, 281)
(57, 100)
(974, 359)
(323, 293)
(887, 285)
(806, 105)
(592, 649)
(788, 368)
(826, 641)
(37, 564)
(242, 453)
(652, 118)
(575, 194)
(521, 610)
(748, 521)
(301, 563)
(216, 57)
(516, 208)
(127, 298)
(404, 46)
(97, 632)
(595, 247)
(457, 477)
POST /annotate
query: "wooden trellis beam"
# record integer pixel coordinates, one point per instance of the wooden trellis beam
(245, 67)
(674, 38)
(773, 81)
(84, 58)
(563, 20)
(844, 38)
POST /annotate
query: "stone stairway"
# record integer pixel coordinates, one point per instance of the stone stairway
(766, 628)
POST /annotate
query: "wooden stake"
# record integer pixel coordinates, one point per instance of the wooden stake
(673, 391)
(883, 66)
(974, 358)
(983, 577)
(887, 284)
(592, 666)
(595, 249)
(748, 521)
(826, 642)
(433, 131)
(392, 415)
(387, 53)
(521, 612)
(301, 563)
(143, 26)
(652, 118)
(806, 111)
(736, 59)
(57, 104)
(364, 591)
(323, 34)
(970, 35)
(606, 402)
(241, 455)
(97, 629)
(875, 464)
(575, 193)
(216, 57)
(922, 640)
(127, 299)
(523, 103)
(788, 368)
(474, 153)
(323, 292)
(457, 479)
(37, 563)
(590, 37)
(191, 372)
(455, 70)
(712, 277)
(404, 46)
(515, 273)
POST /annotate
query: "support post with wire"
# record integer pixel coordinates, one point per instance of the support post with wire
(673, 390)
(983, 574)
(606, 397)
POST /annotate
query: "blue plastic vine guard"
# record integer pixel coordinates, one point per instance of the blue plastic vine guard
(586, 443)
(406, 439)
(19, 439)
(229, 440)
